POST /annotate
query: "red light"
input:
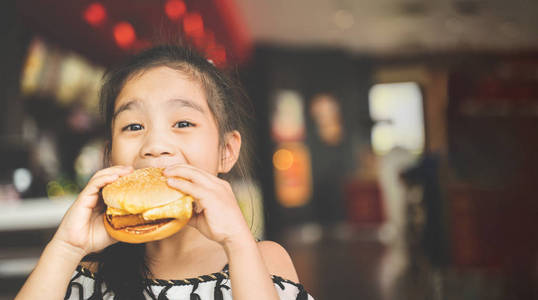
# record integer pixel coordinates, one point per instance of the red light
(174, 9)
(204, 42)
(95, 14)
(209, 39)
(193, 25)
(124, 34)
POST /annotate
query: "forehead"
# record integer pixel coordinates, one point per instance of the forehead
(160, 84)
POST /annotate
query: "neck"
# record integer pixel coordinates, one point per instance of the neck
(189, 249)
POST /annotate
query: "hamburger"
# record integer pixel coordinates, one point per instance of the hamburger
(141, 207)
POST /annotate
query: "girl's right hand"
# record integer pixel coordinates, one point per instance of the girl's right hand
(82, 226)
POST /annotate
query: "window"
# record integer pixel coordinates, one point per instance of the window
(396, 109)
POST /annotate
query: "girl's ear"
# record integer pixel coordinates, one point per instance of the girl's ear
(230, 153)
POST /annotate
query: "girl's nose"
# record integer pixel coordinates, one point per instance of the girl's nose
(156, 146)
(156, 153)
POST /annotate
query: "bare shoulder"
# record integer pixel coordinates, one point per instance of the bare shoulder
(277, 260)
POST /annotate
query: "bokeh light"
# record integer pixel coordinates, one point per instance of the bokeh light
(124, 34)
(193, 25)
(283, 159)
(175, 9)
(95, 14)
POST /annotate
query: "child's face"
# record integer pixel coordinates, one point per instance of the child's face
(162, 118)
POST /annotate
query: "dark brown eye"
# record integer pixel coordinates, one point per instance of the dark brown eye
(183, 124)
(132, 127)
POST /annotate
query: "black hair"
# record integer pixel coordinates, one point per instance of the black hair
(123, 267)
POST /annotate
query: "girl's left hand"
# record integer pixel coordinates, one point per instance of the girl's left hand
(216, 212)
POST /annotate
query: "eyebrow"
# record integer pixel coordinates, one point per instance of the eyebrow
(188, 103)
(124, 107)
(182, 102)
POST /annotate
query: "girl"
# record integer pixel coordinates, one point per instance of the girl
(167, 107)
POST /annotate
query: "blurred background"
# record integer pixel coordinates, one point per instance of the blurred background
(396, 140)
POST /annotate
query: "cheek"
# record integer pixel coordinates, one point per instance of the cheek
(205, 153)
(120, 153)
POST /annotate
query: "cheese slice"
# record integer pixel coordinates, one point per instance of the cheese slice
(179, 209)
(116, 211)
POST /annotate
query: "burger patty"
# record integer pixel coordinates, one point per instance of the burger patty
(123, 221)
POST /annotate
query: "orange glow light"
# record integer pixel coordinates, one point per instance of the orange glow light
(283, 159)
(193, 25)
(95, 14)
(175, 9)
(293, 174)
(124, 34)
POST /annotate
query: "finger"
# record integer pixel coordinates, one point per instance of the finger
(100, 231)
(89, 196)
(199, 194)
(190, 173)
(117, 171)
(105, 173)
(113, 170)
(187, 187)
(197, 207)
(96, 183)
(193, 221)
(100, 207)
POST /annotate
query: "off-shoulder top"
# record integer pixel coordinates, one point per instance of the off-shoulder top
(88, 285)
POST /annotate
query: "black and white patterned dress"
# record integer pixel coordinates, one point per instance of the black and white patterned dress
(88, 285)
